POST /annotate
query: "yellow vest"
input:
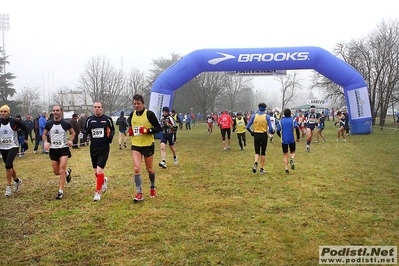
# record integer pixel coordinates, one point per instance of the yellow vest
(137, 122)
(260, 123)
(240, 125)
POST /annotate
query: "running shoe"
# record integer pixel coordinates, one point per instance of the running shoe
(17, 184)
(175, 161)
(307, 149)
(162, 164)
(124, 145)
(68, 175)
(139, 197)
(292, 164)
(153, 193)
(104, 187)
(255, 167)
(97, 196)
(261, 171)
(8, 191)
(287, 172)
(59, 196)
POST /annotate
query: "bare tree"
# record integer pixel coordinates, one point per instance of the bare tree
(136, 84)
(245, 100)
(206, 88)
(115, 92)
(376, 57)
(28, 98)
(96, 76)
(234, 85)
(103, 82)
(331, 90)
(290, 84)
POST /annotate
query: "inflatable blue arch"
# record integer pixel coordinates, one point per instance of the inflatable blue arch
(257, 59)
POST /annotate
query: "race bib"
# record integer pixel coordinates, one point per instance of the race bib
(56, 144)
(6, 141)
(97, 133)
(136, 131)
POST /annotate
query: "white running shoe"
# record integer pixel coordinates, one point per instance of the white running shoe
(162, 164)
(104, 187)
(17, 184)
(97, 196)
(68, 176)
(8, 191)
(175, 161)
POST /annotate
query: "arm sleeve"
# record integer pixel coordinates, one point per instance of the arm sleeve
(129, 120)
(278, 129)
(250, 122)
(111, 127)
(154, 122)
(87, 127)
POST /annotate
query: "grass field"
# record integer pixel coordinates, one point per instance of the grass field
(210, 209)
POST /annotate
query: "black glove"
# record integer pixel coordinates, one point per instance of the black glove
(252, 133)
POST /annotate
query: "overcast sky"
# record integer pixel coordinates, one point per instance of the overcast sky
(50, 42)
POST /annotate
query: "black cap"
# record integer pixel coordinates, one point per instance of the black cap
(18, 116)
(165, 109)
(239, 113)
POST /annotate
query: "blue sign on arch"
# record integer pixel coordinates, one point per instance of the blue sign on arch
(256, 59)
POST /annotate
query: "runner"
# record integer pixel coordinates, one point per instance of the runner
(59, 146)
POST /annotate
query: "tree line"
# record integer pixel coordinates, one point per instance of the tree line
(374, 56)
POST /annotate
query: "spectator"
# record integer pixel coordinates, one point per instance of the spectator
(397, 121)
(42, 124)
(82, 131)
(181, 120)
(345, 113)
(75, 125)
(188, 121)
(21, 137)
(36, 129)
(29, 124)
(122, 123)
